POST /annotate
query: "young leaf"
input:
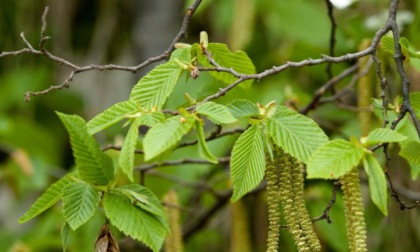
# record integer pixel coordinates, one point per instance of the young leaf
(334, 159)
(93, 165)
(247, 166)
(181, 54)
(203, 149)
(151, 119)
(415, 102)
(145, 199)
(166, 135)
(126, 160)
(411, 152)
(217, 113)
(241, 108)
(377, 183)
(134, 221)
(407, 128)
(111, 115)
(80, 201)
(298, 135)
(155, 87)
(64, 233)
(382, 135)
(47, 199)
(239, 61)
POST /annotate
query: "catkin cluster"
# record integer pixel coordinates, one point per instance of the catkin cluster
(353, 210)
(290, 193)
(173, 242)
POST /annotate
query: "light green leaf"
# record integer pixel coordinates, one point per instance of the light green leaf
(377, 104)
(241, 108)
(334, 159)
(181, 54)
(382, 135)
(247, 166)
(203, 149)
(126, 159)
(94, 166)
(80, 201)
(134, 221)
(151, 119)
(111, 115)
(411, 152)
(377, 183)
(155, 87)
(415, 102)
(298, 135)
(239, 61)
(166, 135)
(217, 113)
(64, 233)
(387, 44)
(145, 199)
(407, 128)
(47, 199)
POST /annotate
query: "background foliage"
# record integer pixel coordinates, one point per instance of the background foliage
(35, 149)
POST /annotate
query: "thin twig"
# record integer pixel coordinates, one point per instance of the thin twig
(222, 160)
(75, 69)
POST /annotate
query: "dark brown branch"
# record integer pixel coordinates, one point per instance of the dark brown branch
(330, 8)
(75, 69)
(394, 192)
(222, 160)
(326, 214)
(321, 91)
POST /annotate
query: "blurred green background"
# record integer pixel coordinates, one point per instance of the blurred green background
(34, 147)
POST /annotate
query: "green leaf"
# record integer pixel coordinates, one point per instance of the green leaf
(111, 115)
(407, 128)
(134, 221)
(47, 199)
(387, 44)
(382, 135)
(145, 199)
(126, 159)
(151, 119)
(411, 152)
(377, 183)
(248, 162)
(80, 201)
(94, 166)
(64, 233)
(181, 54)
(155, 87)
(203, 149)
(334, 159)
(239, 61)
(217, 113)
(298, 135)
(415, 102)
(241, 108)
(166, 135)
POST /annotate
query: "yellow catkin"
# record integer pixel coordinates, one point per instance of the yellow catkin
(364, 92)
(287, 198)
(353, 210)
(173, 242)
(271, 176)
(242, 24)
(304, 218)
(240, 236)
